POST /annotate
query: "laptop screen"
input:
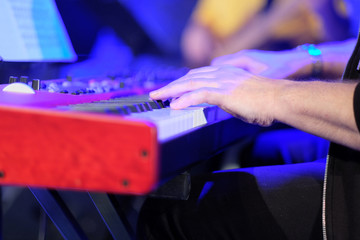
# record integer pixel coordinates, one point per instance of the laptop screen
(33, 31)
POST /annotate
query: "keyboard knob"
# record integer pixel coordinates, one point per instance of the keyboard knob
(35, 84)
(24, 79)
(12, 79)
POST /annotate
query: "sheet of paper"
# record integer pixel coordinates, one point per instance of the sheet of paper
(33, 31)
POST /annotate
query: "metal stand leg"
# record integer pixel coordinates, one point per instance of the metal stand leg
(115, 219)
(58, 212)
(119, 213)
(42, 225)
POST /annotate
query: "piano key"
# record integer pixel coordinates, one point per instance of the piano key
(166, 103)
(139, 103)
(169, 122)
(154, 105)
(124, 110)
(161, 103)
(133, 108)
(147, 106)
(140, 107)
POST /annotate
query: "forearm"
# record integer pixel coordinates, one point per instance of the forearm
(293, 63)
(321, 108)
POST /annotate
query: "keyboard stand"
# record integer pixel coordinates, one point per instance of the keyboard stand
(115, 219)
(119, 213)
(59, 213)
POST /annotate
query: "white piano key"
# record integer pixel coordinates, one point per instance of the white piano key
(171, 123)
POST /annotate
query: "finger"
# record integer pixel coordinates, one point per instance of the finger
(203, 95)
(178, 87)
(198, 73)
(168, 90)
(241, 60)
(202, 69)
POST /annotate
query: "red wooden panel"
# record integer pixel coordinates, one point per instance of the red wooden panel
(64, 150)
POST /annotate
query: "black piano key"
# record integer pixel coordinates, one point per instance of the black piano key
(111, 111)
(141, 107)
(160, 103)
(117, 110)
(121, 105)
(147, 106)
(166, 103)
(122, 111)
(127, 110)
(133, 108)
(154, 105)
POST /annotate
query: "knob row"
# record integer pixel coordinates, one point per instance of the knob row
(35, 83)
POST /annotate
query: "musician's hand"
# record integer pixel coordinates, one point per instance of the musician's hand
(244, 95)
(281, 64)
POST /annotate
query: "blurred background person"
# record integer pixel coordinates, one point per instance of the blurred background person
(218, 28)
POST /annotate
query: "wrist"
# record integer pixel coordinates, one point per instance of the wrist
(299, 63)
(335, 56)
(314, 55)
(282, 99)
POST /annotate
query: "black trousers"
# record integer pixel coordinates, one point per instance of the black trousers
(271, 202)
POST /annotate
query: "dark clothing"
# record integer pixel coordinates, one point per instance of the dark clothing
(342, 191)
(342, 183)
(357, 105)
(270, 202)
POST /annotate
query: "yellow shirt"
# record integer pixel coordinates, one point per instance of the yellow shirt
(224, 17)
